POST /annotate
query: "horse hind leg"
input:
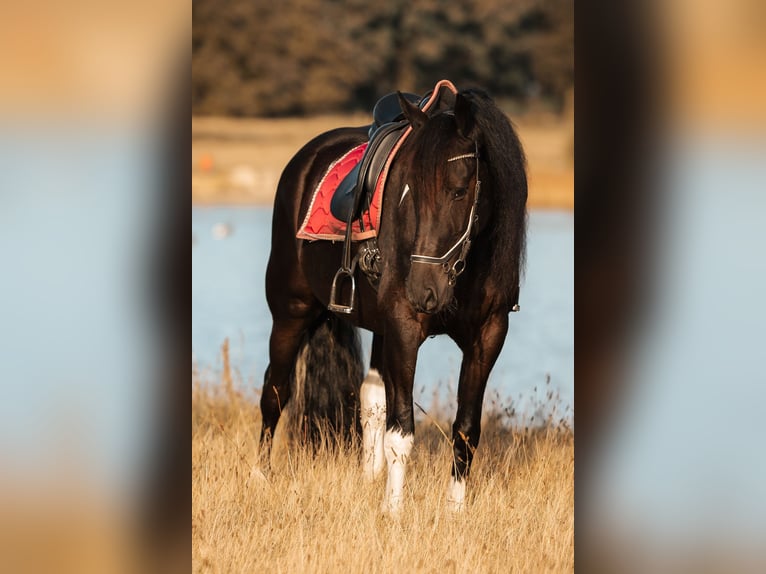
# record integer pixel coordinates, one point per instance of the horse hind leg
(284, 344)
(316, 367)
(373, 415)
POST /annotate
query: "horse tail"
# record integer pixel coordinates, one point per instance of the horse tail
(328, 373)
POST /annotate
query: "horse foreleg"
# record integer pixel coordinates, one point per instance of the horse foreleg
(373, 402)
(400, 351)
(479, 357)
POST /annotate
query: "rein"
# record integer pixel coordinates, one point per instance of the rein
(463, 244)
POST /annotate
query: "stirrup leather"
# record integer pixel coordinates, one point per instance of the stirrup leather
(347, 268)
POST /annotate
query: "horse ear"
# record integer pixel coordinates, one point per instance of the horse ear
(414, 114)
(463, 116)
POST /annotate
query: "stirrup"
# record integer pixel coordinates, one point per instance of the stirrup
(338, 308)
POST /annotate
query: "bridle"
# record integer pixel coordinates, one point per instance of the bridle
(463, 244)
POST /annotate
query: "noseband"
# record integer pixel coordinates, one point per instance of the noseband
(463, 244)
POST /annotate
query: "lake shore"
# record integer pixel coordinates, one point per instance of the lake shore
(239, 161)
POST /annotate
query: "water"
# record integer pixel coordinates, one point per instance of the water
(228, 300)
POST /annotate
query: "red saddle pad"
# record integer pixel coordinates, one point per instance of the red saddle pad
(319, 222)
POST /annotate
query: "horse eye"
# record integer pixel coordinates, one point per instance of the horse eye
(459, 193)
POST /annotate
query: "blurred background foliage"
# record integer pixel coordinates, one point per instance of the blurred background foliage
(298, 57)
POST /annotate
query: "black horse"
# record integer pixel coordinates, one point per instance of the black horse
(452, 246)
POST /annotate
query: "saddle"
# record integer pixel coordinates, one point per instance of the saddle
(387, 127)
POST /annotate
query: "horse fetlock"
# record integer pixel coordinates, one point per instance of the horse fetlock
(372, 446)
(391, 506)
(264, 453)
(259, 476)
(398, 447)
(456, 495)
(373, 418)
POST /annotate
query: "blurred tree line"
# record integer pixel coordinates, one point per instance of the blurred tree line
(292, 57)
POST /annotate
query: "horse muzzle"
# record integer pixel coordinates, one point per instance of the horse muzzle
(428, 289)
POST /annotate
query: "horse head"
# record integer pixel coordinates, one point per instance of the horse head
(441, 197)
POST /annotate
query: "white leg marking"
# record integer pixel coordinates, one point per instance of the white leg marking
(398, 448)
(373, 415)
(456, 495)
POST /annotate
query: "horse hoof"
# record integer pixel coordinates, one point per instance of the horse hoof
(455, 506)
(391, 508)
(372, 471)
(258, 477)
(369, 476)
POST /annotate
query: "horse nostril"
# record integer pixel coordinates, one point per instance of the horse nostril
(430, 302)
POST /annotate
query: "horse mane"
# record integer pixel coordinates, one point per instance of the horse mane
(504, 156)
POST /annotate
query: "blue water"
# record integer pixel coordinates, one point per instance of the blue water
(228, 300)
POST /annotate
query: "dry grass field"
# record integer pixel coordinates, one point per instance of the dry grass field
(239, 161)
(317, 514)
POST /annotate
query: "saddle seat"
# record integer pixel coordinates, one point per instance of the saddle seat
(387, 127)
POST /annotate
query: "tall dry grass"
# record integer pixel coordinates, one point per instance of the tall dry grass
(317, 514)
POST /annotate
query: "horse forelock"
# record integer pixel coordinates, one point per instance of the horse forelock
(431, 148)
